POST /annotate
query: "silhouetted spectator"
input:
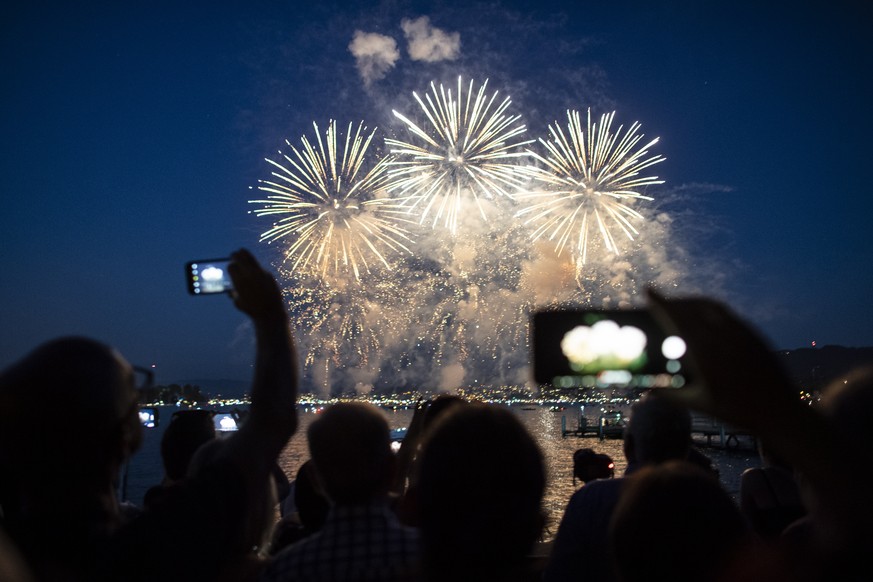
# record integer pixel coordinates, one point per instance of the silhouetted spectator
(481, 480)
(187, 431)
(59, 498)
(657, 431)
(68, 422)
(308, 511)
(244, 556)
(404, 483)
(702, 460)
(751, 390)
(422, 418)
(589, 465)
(847, 405)
(362, 539)
(675, 522)
(769, 495)
(283, 485)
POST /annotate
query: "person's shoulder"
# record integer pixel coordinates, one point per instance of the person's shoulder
(287, 564)
(408, 535)
(598, 488)
(599, 493)
(752, 472)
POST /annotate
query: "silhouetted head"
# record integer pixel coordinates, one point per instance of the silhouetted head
(350, 446)
(674, 522)
(69, 413)
(252, 520)
(849, 404)
(438, 406)
(658, 430)
(481, 481)
(188, 431)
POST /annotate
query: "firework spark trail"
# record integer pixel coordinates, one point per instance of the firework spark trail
(345, 324)
(469, 150)
(456, 298)
(591, 175)
(329, 206)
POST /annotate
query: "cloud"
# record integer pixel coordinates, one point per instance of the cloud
(375, 55)
(428, 43)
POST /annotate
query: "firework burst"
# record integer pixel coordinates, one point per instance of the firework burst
(470, 149)
(331, 204)
(591, 177)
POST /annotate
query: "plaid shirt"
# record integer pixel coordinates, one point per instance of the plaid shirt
(359, 543)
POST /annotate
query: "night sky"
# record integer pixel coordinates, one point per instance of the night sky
(132, 133)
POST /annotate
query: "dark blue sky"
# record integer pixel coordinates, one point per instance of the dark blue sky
(132, 132)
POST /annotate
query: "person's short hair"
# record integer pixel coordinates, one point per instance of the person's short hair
(438, 406)
(848, 403)
(254, 518)
(350, 445)
(659, 428)
(481, 482)
(187, 431)
(70, 402)
(674, 521)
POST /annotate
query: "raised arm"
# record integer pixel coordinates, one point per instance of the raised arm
(272, 415)
(217, 509)
(741, 382)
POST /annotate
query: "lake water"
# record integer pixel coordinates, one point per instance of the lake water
(145, 468)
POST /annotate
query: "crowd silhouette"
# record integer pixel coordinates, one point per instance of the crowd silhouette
(461, 500)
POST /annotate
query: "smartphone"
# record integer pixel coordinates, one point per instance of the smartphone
(618, 347)
(148, 417)
(208, 277)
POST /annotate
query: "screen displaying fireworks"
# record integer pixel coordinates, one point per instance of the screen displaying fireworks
(415, 260)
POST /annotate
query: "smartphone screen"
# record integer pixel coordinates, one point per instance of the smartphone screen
(148, 417)
(225, 422)
(208, 276)
(590, 348)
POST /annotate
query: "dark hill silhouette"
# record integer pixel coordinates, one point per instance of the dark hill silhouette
(222, 388)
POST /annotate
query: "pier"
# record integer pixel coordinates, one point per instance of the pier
(718, 434)
(607, 425)
(705, 431)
